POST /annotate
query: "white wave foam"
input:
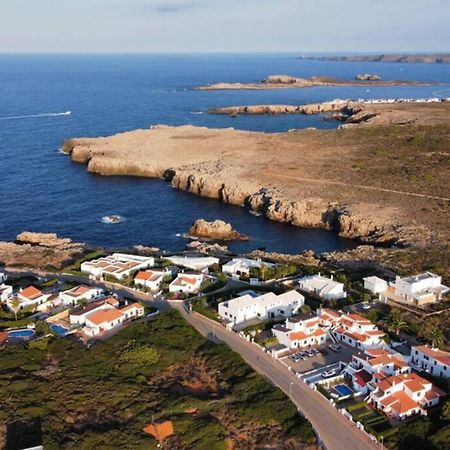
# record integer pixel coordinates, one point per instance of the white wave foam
(197, 113)
(31, 116)
(112, 219)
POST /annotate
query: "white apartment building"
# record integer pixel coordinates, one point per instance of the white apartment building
(416, 290)
(266, 306)
(118, 265)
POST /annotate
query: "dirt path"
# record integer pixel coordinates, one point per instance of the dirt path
(358, 186)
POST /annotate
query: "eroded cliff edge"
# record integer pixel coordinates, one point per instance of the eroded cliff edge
(385, 185)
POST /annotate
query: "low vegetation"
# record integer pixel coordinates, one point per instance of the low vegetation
(155, 371)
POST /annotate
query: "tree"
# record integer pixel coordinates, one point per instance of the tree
(15, 306)
(436, 337)
(263, 271)
(305, 309)
(445, 411)
(139, 355)
(396, 324)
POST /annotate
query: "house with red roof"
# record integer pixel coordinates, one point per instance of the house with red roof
(405, 395)
(72, 297)
(300, 331)
(367, 367)
(352, 329)
(102, 320)
(431, 360)
(30, 297)
(186, 283)
(151, 279)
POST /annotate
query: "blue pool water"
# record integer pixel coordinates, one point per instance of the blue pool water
(21, 333)
(343, 390)
(42, 190)
(59, 330)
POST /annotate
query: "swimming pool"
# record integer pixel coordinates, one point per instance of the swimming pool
(59, 330)
(343, 390)
(21, 333)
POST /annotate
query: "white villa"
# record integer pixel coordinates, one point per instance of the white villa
(186, 283)
(375, 285)
(107, 319)
(242, 266)
(325, 288)
(104, 315)
(405, 395)
(78, 315)
(151, 279)
(30, 297)
(267, 306)
(431, 360)
(416, 290)
(118, 265)
(198, 263)
(300, 331)
(352, 329)
(82, 292)
(5, 292)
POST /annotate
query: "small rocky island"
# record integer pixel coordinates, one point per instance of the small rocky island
(288, 81)
(215, 230)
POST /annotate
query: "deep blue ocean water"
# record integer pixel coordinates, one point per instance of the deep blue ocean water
(42, 190)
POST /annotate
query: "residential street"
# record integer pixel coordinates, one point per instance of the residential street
(336, 432)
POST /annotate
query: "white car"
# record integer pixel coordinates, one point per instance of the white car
(365, 306)
(329, 373)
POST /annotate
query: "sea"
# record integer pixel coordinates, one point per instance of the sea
(45, 99)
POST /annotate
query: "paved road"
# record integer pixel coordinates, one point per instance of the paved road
(336, 432)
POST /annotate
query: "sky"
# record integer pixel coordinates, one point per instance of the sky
(224, 26)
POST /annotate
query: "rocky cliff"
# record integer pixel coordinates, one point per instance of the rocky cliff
(309, 178)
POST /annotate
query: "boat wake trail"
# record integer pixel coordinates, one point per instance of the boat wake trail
(31, 116)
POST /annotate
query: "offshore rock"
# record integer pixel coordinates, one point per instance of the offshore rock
(217, 229)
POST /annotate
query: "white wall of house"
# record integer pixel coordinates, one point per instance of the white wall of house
(429, 363)
(181, 286)
(375, 285)
(267, 306)
(5, 292)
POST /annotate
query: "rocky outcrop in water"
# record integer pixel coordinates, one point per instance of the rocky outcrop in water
(207, 248)
(215, 230)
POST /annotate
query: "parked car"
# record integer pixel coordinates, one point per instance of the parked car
(329, 373)
(365, 306)
(335, 347)
(310, 352)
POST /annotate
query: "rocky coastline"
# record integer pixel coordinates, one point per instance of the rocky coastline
(438, 58)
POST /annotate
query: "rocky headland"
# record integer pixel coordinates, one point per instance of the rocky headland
(287, 81)
(380, 184)
(347, 111)
(215, 230)
(437, 58)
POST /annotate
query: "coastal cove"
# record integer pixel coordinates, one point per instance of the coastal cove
(115, 93)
